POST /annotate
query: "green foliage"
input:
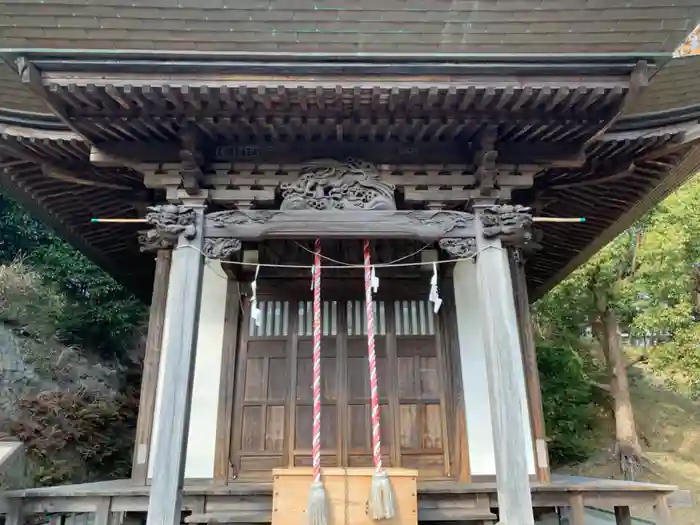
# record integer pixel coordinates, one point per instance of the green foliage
(55, 297)
(668, 285)
(567, 399)
(650, 277)
(96, 311)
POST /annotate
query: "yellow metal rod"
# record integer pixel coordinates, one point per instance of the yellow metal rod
(119, 220)
(558, 219)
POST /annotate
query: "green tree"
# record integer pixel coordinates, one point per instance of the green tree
(667, 286)
(98, 312)
(600, 296)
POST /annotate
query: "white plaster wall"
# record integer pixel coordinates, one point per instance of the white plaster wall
(474, 379)
(201, 440)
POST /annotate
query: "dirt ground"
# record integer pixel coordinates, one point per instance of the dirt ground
(669, 427)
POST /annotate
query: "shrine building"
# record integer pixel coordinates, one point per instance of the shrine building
(465, 156)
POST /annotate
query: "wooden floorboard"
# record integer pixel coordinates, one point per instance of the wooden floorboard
(126, 487)
(437, 500)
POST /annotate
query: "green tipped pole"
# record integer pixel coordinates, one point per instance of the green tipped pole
(118, 220)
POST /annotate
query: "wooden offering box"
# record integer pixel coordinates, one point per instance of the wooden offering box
(347, 490)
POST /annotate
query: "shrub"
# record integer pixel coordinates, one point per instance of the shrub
(568, 402)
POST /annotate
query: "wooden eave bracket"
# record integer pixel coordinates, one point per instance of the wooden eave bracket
(30, 75)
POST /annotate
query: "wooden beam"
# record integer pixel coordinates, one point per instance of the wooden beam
(226, 386)
(65, 176)
(151, 365)
(623, 516)
(502, 350)
(253, 225)
(291, 152)
(165, 499)
(102, 159)
(529, 355)
(63, 171)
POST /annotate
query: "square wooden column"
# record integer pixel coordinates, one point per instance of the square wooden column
(532, 375)
(165, 500)
(503, 366)
(151, 362)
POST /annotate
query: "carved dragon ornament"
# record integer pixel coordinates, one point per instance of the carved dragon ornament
(328, 184)
(169, 221)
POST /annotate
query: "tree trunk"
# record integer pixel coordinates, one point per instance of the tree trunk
(628, 448)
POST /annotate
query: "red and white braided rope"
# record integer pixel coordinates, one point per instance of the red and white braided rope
(372, 359)
(316, 440)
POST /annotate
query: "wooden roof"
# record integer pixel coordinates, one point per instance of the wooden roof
(558, 119)
(428, 26)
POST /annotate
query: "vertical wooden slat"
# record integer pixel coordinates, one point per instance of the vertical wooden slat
(343, 409)
(532, 376)
(151, 364)
(340, 333)
(295, 325)
(224, 420)
(239, 389)
(444, 388)
(458, 435)
(394, 406)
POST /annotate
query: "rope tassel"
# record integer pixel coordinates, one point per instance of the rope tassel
(318, 501)
(381, 503)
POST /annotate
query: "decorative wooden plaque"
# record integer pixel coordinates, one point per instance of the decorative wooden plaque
(348, 491)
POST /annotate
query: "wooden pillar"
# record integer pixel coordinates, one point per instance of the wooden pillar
(165, 500)
(15, 512)
(104, 511)
(151, 363)
(623, 516)
(662, 511)
(226, 385)
(503, 366)
(532, 374)
(578, 511)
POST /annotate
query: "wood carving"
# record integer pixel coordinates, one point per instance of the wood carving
(151, 241)
(254, 225)
(169, 221)
(448, 220)
(506, 221)
(459, 248)
(221, 247)
(331, 185)
(222, 219)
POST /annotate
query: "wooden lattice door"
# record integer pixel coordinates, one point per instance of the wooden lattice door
(273, 411)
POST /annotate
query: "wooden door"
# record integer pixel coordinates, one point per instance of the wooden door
(273, 410)
(261, 409)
